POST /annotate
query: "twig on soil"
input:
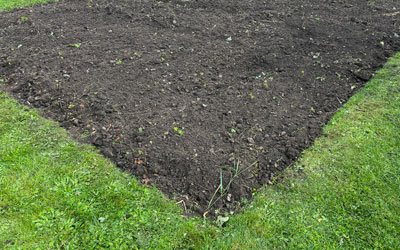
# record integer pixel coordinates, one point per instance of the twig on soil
(184, 204)
(391, 14)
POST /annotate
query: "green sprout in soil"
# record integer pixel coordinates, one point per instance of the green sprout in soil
(180, 131)
(261, 75)
(321, 78)
(76, 45)
(24, 19)
(164, 61)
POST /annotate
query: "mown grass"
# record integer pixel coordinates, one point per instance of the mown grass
(12, 4)
(57, 194)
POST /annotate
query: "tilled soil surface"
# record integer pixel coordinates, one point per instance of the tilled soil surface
(172, 91)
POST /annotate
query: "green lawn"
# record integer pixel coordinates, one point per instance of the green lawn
(11, 4)
(57, 194)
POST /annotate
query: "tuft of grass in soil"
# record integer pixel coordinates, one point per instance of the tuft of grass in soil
(343, 193)
(12, 4)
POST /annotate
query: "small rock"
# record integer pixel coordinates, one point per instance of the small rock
(250, 140)
(108, 153)
(97, 141)
(139, 171)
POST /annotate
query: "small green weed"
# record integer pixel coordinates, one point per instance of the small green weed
(180, 131)
(76, 45)
(24, 19)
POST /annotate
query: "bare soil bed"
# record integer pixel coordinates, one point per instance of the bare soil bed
(172, 91)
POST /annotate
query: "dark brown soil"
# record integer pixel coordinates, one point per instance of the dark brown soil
(173, 90)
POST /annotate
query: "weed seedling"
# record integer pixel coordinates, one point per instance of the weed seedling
(24, 19)
(261, 75)
(180, 131)
(164, 61)
(76, 45)
(321, 78)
